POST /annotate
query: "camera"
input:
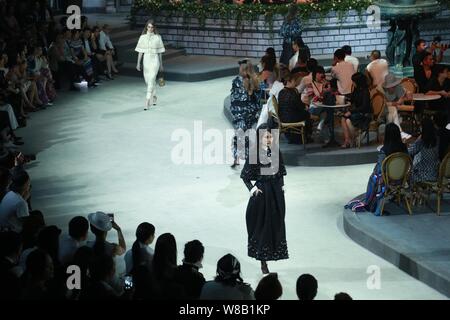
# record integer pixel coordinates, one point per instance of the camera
(245, 61)
(111, 216)
(128, 282)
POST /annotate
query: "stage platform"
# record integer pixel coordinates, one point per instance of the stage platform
(316, 156)
(418, 244)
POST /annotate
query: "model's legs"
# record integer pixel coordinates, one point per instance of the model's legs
(264, 267)
(346, 132)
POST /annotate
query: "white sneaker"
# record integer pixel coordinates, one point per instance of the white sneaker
(405, 136)
(320, 125)
(154, 100)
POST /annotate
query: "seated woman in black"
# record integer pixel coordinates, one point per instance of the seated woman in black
(424, 72)
(440, 85)
(291, 107)
(360, 112)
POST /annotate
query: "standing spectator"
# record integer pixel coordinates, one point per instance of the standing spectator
(38, 273)
(69, 244)
(101, 270)
(290, 30)
(228, 284)
(269, 288)
(14, 207)
(342, 71)
(378, 69)
(349, 58)
(300, 49)
(420, 46)
(141, 254)
(100, 224)
(188, 274)
(306, 287)
(424, 73)
(342, 296)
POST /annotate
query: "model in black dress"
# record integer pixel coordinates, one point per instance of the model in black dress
(266, 207)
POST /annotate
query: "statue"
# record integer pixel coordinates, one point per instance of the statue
(390, 48)
(400, 44)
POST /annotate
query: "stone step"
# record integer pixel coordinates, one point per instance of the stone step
(129, 55)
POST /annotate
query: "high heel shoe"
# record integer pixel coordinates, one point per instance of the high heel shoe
(235, 164)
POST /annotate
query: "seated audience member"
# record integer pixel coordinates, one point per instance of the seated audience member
(37, 276)
(306, 83)
(188, 274)
(279, 84)
(5, 181)
(10, 249)
(38, 71)
(439, 84)
(269, 288)
(342, 296)
(378, 69)
(301, 68)
(306, 287)
(141, 254)
(104, 57)
(228, 284)
(100, 224)
(349, 58)
(47, 241)
(392, 144)
(342, 71)
(395, 97)
(298, 44)
(56, 59)
(163, 267)
(101, 271)
(83, 258)
(360, 112)
(14, 207)
(268, 74)
(420, 46)
(425, 154)
(291, 108)
(106, 45)
(69, 244)
(424, 73)
(81, 59)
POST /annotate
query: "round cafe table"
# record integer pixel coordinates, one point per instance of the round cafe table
(425, 97)
(330, 117)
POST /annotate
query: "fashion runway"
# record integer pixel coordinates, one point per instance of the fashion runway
(101, 151)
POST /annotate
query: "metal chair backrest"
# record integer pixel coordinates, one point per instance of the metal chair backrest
(395, 168)
(275, 105)
(409, 85)
(444, 170)
(378, 104)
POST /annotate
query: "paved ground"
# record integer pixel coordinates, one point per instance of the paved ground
(101, 151)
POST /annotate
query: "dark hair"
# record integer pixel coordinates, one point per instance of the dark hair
(312, 64)
(269, 288)
(83, 258)
(376, 54)
(392, 140)
(306, 287)
(78, 227)
(347, 50)
(193, 251)
(429, 136)
(268, 63)
(165, 257)
(5, 177)
(36, 264)
(342, 296)
(19, 180)
(99, 245)
(318, 69)
(10, 243)
(299, 42)
(419, 42)
(360, 80)
(292, 12)
(143, 232)
(440, 68)
(271, 52)
(340, 54)
(101, 267)
(228, 270)
(303, 55)
(48, 241)
(425, 55)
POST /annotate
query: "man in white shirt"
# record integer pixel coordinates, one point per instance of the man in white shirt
(342, 71)
(69, 244)
(349, 58)
(378, 69)
(14, 207)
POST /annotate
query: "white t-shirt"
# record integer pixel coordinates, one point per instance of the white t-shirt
(303, 86)
(378, 70)
(354, 61)
(276, 89)
(343, 72)
(67, 248)
(293, 61)
(12, 208)
(147, 257)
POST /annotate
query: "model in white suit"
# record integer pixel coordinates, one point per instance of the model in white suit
(150, 46)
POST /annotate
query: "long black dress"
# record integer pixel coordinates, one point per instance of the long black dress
(265, 212)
